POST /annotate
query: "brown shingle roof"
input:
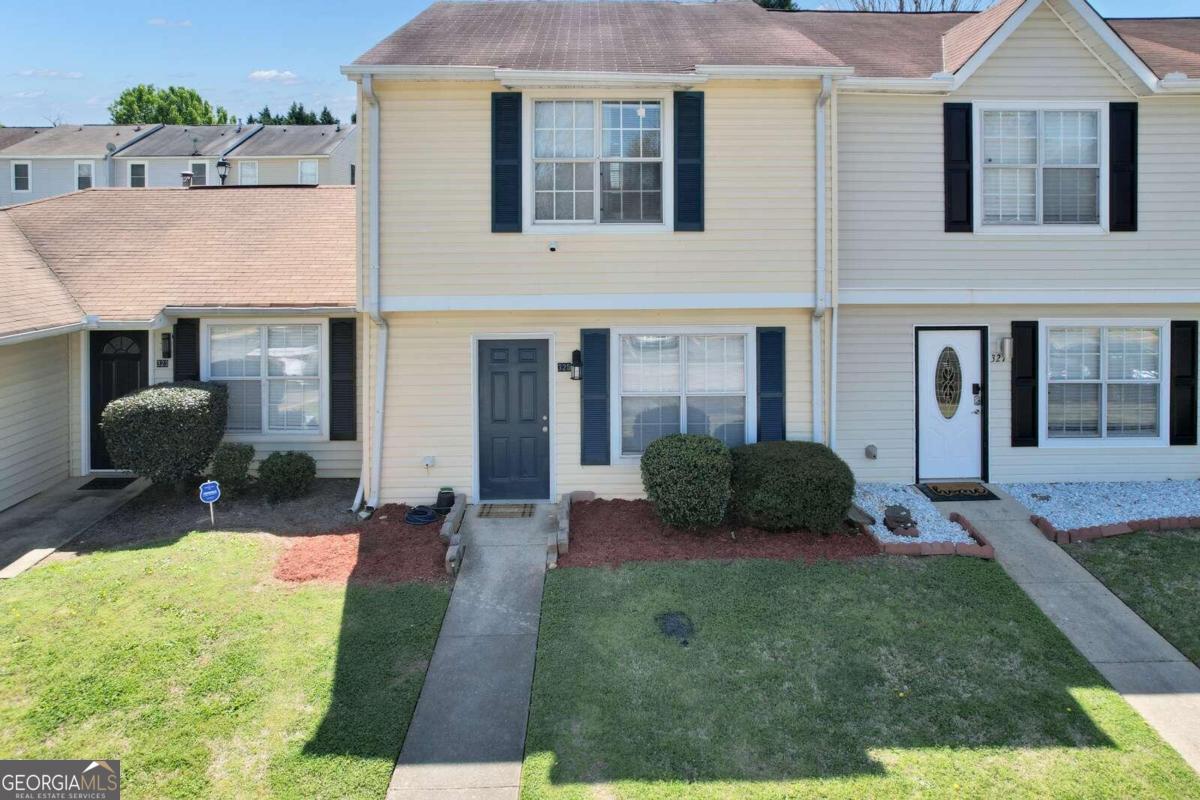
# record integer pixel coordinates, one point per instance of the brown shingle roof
(31, 297)
(880, 44)
(1166, 45)
(964, 39)
(126, 254)
(598, 36)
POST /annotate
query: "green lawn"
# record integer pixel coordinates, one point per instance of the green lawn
(881, 678)
(1157, 574)
(208, 678)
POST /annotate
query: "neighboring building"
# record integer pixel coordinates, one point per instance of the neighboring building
(295, 154)
(161, 159)
(66, 158)
(747, 234)
(107, 290)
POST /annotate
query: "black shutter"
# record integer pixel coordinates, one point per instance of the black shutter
(1183, 382)
(772, 373)
(956, 142)
(593, 427)
(506, 162)
(1025, 384)
(186, 350)
(689, 161)
(343, 397)
(1122, 166)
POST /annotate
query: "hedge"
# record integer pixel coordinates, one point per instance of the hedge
(167, 432)
(686, 478)
(783, 486)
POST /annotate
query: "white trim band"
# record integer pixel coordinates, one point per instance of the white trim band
(597, 302)
(937, 297)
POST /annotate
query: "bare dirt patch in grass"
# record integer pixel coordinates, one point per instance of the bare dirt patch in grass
(613, 532)
(385, 549)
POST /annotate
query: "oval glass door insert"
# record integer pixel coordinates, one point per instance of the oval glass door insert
(947, 382)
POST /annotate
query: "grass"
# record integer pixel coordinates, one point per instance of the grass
(1157, 574)
(207, 677)
(879, 678)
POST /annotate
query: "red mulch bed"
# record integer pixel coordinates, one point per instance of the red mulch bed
(612, 532)
(383, 550)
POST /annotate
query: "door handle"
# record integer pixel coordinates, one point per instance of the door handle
(977, 392)
(545, 429)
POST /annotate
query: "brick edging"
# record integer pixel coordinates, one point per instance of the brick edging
(1073, 535)
(982, 548)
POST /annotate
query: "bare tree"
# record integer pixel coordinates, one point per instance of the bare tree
(913, 5)
(54, 119)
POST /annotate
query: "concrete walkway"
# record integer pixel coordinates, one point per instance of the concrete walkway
(467, 737)
(35, 528)
(1154, 677)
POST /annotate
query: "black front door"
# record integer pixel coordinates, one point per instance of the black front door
(119, 365)
(514, 419)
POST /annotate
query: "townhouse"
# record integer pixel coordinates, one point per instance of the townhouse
(300, 154)
(949, 245)
(42, 162)
(161, 159)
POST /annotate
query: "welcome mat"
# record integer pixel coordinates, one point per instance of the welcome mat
(105, 484)
(506, 511)
(944, 492)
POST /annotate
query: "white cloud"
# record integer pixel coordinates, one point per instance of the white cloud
(27, 95)
(274, 76)
(163, 22)
(94, 101)
(49, 73)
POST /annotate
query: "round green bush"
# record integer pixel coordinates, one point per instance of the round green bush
(787, 486)
(231, 466)
(686, 478)
(167, 432)
(283, 476)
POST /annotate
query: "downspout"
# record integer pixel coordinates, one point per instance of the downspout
(374, 302)
(819, 302)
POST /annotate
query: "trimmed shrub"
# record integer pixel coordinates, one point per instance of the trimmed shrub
(283, 476)
(231, 466)
(686, 477)
(167, 432)
(786, 486)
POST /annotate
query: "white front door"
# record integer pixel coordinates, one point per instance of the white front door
(950, 404)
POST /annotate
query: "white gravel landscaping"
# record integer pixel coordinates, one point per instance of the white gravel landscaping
(875, 497)
(1084, 505)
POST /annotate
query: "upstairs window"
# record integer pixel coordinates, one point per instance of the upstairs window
(137, 174)
(83, 174)
(199, 170)
(21, 180)
(597, 161)
(308, 172)
(248, 173)
(1041, 167)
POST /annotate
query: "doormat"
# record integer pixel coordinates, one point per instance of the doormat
(106, 484)
(506, 511)
(943, 492)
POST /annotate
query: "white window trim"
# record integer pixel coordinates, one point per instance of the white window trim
(266, 435)
(614, 366)
(208, 171)
(129, 174)
(241, 166)
(1039, 228)
(12, 174)
(1164, 393)
(666, 98)
(91, 164)
(300, 171)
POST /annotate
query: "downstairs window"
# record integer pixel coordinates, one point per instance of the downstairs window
(273, 373)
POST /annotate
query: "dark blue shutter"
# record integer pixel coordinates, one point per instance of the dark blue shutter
(506, 162)
(959, 187)
(689, 161)
(594, 425)
(1183, 382)
(343, 397)
(1122, 166)
(772, 375)
(1025, 384)
(186, 350)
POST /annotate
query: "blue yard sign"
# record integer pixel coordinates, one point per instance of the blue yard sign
(210, 492)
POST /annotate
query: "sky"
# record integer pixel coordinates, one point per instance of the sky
(66, 60)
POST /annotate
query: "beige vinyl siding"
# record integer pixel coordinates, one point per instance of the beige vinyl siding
(876, 397)
(34, 406)
(891, 185)
(436, 215)
(430, 403)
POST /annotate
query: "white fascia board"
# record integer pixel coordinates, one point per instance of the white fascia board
(934, 84)
(257, 311)
(41, 333)
(957, 297)
(769, 72)
(528, 78)
(419, 72)
(597, 301)
(1178, 83)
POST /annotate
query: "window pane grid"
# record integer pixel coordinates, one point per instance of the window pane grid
(279, 384)
(672, 383)
(1103, 383)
